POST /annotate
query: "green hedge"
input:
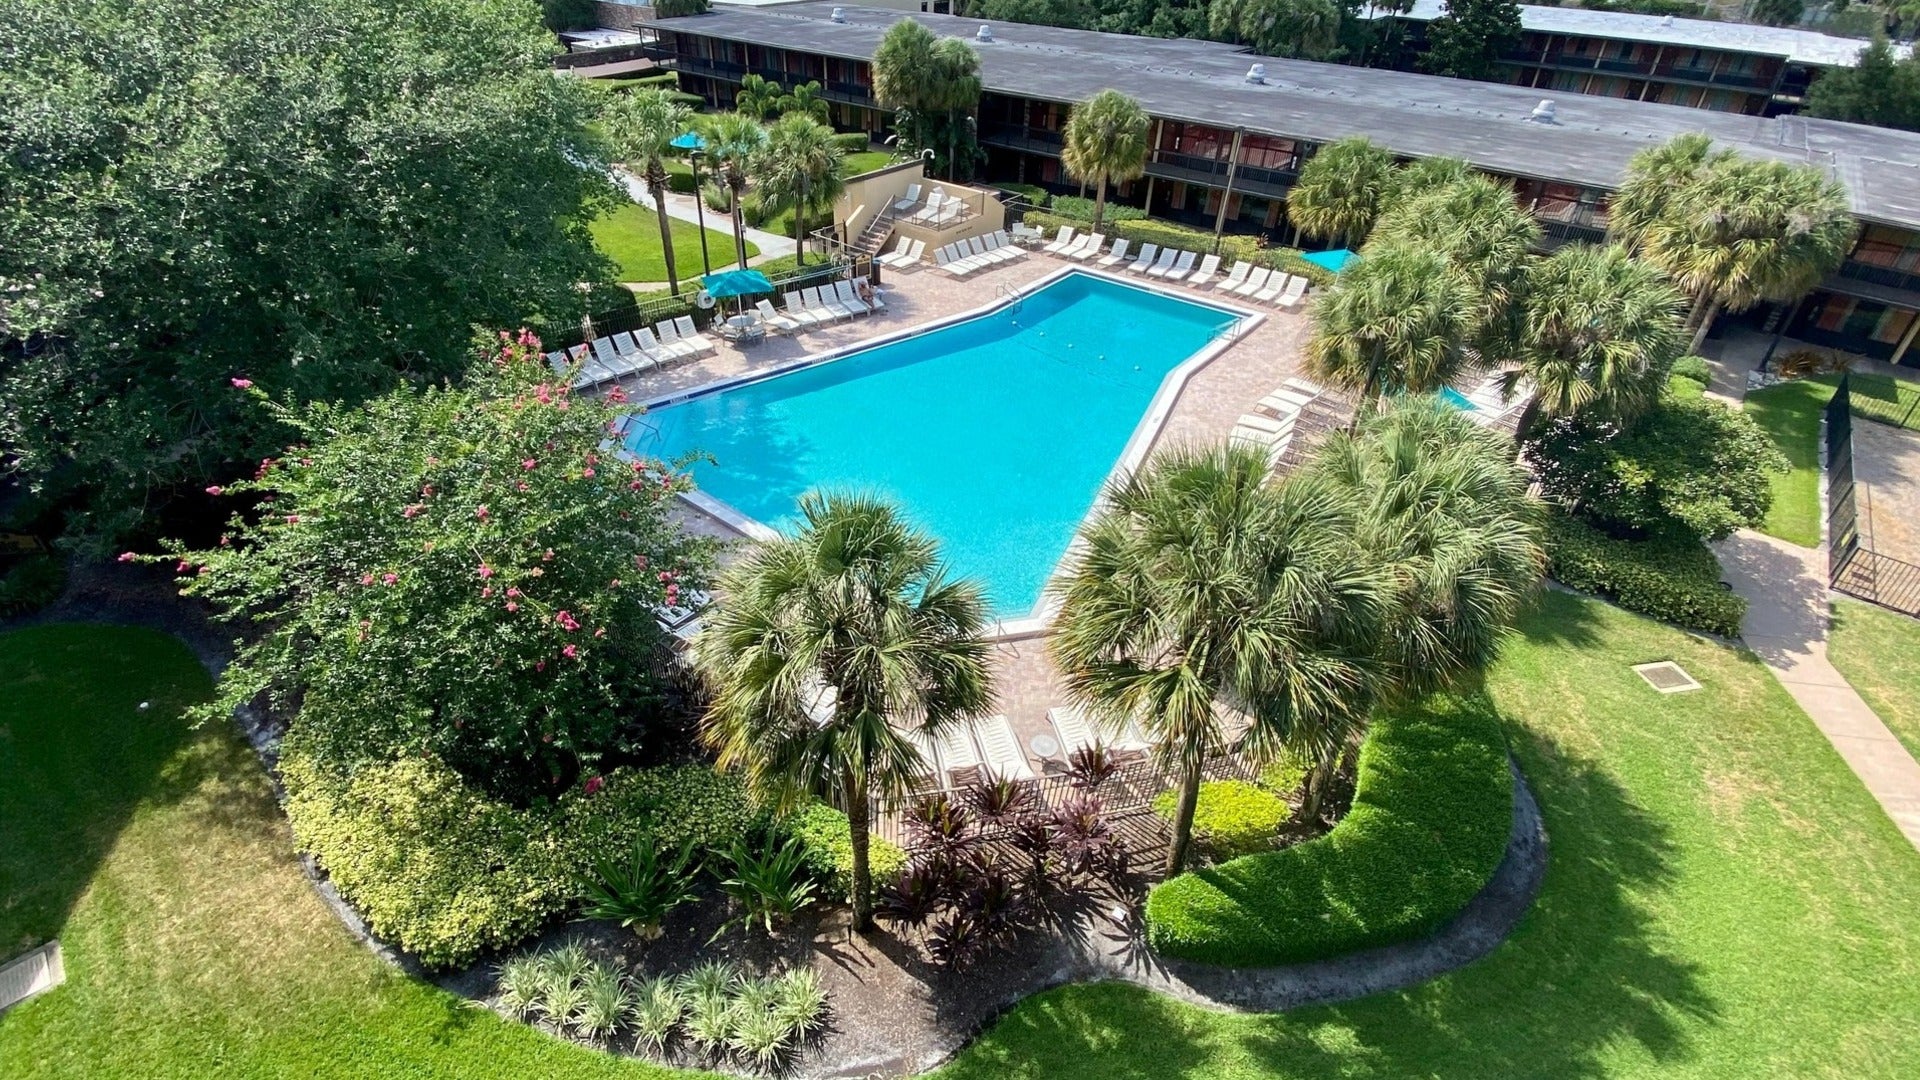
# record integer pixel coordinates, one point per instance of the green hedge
(1430, 819)
(828, 846)
(1168, 234)
(1035, 195)
(1694, 368)
(1080, 209)
(853, 142)
(1673, 579)
(31, 584)
(445, 872)
(626, 84)
(1231, 818)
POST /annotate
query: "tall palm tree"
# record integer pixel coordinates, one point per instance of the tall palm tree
(830, 644)
(1201, 583)
(932, 84)
(643, 125)
(1395, 322)
(1339, 191)
(806, 100)
(1655, 177)
(1746, 231)
(1422, 176)
(1105, 139)
(799, 169)
(1441, 506)
(1485, 235)
(1601, 330)
(953, 88)
(758, 97)
(734, 141)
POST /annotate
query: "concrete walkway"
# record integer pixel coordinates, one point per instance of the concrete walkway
(771, 245)
(1786, 591)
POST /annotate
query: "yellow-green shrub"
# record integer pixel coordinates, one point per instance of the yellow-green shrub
(1231, 818)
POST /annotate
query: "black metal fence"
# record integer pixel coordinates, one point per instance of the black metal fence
(1853, 567)
(650, 309)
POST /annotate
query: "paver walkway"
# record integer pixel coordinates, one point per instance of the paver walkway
(1786, 590)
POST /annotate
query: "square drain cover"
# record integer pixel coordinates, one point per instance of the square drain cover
(1666, 677)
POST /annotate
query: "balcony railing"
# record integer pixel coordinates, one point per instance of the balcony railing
(844, 92)
(1020, 137)
(1212, 172)
(1572, 231)
(1881, 275)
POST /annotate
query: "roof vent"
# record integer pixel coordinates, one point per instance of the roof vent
(1257, 73)
(1542, 113)
(1667, 21)
(985, 33)
(838, 15)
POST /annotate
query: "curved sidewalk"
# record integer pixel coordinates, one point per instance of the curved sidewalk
(1786, 626)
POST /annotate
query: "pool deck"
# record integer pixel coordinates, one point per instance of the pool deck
(1205, 410)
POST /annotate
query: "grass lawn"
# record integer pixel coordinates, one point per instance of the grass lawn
(1723, 900)
(630, 236)
(1879, 653)
(1790, 413)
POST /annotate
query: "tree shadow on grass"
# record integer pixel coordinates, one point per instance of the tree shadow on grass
(1559, 617)
(78, 755)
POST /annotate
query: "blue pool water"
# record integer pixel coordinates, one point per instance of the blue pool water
(995, 433)
(1456, 399)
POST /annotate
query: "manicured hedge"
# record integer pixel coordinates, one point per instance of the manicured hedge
(1035, 195)
(828, 844)
(1694, 368)
(853, 142)
(1168, 234)
(1673, 579)
(1430, 819)
(1231, 818)
(445, 872)
(1081, 209)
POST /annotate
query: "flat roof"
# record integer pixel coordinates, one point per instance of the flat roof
(1799, 46)
(1413, 115)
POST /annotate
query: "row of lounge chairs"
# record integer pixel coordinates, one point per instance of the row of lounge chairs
(817, 306)
(1274, 422)
(1257, 283)
(987, 745)
(940, 208)
(616, 356)
(905, 254)
(977, 253)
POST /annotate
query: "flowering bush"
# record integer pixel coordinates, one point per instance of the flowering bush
(465, 573)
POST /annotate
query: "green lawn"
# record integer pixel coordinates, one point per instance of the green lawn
(630, 236)
(1879, 653)
(1790, 413)
(1723, 901)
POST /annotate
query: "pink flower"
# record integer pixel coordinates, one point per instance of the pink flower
(390, 578)
(529, 463)
(205, 570)
(639, 562)
(549, 736)
(225, 540)
(480, 512)
(587, 472)
(183, 567)
(426, 492)
(540, 665)
(536, 572)
(486, 592)
(617, 395)
(216, 490)
(242, 384)
(127, 556)
(293, 519)
(547, 555)
(594, 784)
(570, 651)
(511, 591)
(522, 486)
(511, 606)
(614, 584)
(486, 571)
(541, 393)
(366, 579)
(600, 632)
(566, 620)
(411, 510)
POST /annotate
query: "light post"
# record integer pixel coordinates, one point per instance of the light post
(693, 143)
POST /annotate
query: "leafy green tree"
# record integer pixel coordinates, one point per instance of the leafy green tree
(1395, 322)
(464, 573)
(1307, 29)
(673, 9)
(933, 86)
(1777, 12)
(1106, 140)
(1655, 177)
(1340, 189)
(1199, 582)
(1072, 14)
(734, 144)
(1487, 239)
(642, 126)
(758, 97)
(798, 169)
(1688, 466)
(1601, 330)
(1879, 89)
(1466, 41)
(192, 190)
(833, 643)
(568, 14)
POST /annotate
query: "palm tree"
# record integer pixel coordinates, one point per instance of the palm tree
(932, 85)
(1441, 506)
(830, 643)
(1600, 331)
(1745, 231)
(953, 89)
(1654, 177)
(758, 97)
(1395, 322)
(1339, 191)
(1201, 583)
(734, 141)
(799, 169)
(1487, 238)
(643, 125)
(806, 100)
(1105, 139)
(1420, 177)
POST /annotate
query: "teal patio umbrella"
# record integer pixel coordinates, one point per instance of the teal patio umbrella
(735, 283)
(1335, 260)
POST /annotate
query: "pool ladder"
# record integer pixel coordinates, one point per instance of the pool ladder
(1012, 294)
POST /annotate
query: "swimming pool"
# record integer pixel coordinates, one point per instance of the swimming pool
(995, 432)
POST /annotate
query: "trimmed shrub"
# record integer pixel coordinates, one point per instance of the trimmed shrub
(668, 81)
(828, 846)
(1081, 209)
(1232, 817)
(1035, 195)
(1285, 775)
(1673, 578)
(1431, 815)
(31, 584)
(853, 142)
(1694, 368)
(445, 872)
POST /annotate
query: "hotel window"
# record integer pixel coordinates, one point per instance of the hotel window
(1849, 317)
(1895, 249)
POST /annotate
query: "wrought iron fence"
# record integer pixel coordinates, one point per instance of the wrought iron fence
(650, 309)
(1853, 567)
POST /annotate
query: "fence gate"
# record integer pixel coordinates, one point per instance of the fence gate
(1853, 567)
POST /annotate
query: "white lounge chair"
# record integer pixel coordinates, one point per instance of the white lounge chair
(783, 323)
(692, 335)
(1070, 724)
(1088, 248)
(932, 209)
(956, 749)
(823, 298)
(626, 345)
(1148, 252)
(907, 256)
(1025, 232)
(1275, 286)
(1061, 241)
(670, 342)
(899, 252)
(1237, 277)
(949, 213)
(974, 254)
(799, 312)
(1209, 266)
(1001, 749)
(1163, 264)
(1296, 289)
(911, 200)
(604, 352)
(1117, 255)
(845, 292)
(1181, 263)
(1254, 283)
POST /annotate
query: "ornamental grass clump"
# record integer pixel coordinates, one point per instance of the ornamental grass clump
(608, 1003)
(658, 1009)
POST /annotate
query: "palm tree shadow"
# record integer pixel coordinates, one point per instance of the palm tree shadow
(1556, 618)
